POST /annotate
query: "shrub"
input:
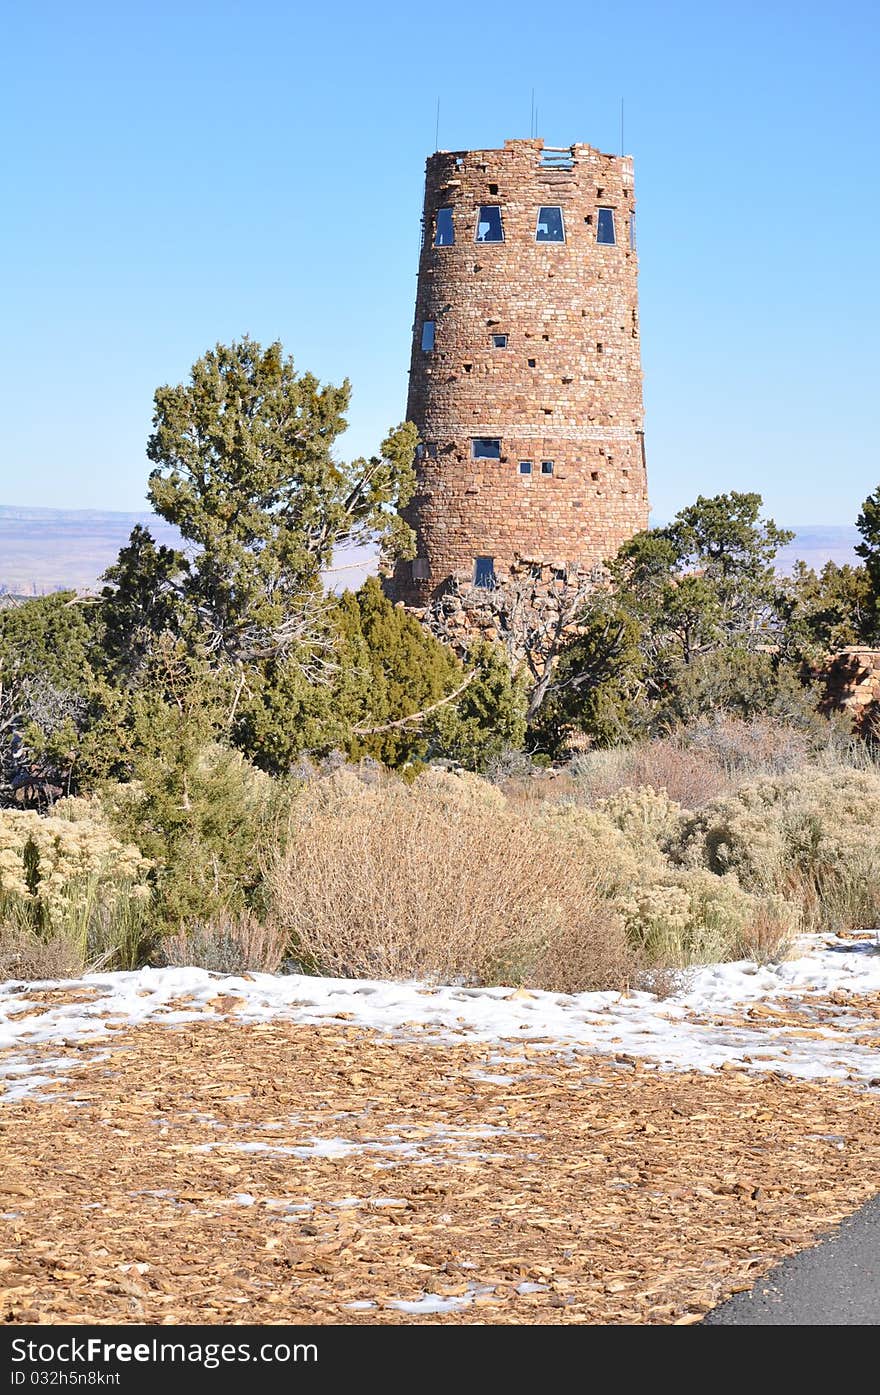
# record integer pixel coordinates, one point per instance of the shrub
(713, 755)
(813, 834)
(84, 930)
(690, 776)
(42, 858)
(646, 817)
(689, 917)
(672, 915)
(806, 822)
(204, 821)
(26, 955)
(439, 880)
(762, 745)
(234, 945)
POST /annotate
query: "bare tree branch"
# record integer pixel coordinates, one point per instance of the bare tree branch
(416, 717)
(533, 613)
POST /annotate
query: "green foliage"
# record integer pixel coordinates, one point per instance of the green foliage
(245, 469)
(825, 611)
(704, 582)
(402, 670)
(737, 682)
(868, 524)
(49, 648)
(51, 638)
(489, 716)
(204, 815)
(385, 688)
(140, 601)
(710, 608)
(596, 684)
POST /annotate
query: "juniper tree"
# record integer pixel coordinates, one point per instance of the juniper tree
(245, 469)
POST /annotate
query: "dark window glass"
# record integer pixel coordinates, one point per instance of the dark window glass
(499, 341)
(546, 467)
(428, 334)
(489, 227)
(484, 572)
(550, 225)
(605, 226)
(525, 467)
(486, 448)
(632, 231)
(445, 234)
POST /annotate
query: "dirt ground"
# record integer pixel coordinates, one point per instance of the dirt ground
(230, 1173)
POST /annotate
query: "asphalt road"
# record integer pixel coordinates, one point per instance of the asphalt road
(835, 1284)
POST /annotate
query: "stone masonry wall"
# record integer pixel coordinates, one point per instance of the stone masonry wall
(567, 387)
(851, 684)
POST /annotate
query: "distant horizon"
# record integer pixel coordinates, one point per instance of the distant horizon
(45, 549)
(21, 510)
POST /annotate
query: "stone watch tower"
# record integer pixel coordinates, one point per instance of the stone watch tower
(526, 382)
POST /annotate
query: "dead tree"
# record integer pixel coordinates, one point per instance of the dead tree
(533, 614)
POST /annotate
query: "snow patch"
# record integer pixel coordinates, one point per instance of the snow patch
(685, 1031)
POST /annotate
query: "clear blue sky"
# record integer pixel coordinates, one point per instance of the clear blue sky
(180, 173)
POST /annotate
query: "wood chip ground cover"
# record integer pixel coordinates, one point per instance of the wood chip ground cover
(278, 1172)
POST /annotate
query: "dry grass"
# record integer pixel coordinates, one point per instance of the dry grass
(390, 881)
(239, 944)
(767, 937)
(25, 955)
(689, 776)
(712, 757)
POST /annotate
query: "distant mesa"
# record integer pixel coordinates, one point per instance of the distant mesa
(43, 550)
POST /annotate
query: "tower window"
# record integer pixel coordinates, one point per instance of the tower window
(632, 231)
(499, 341)
(486, 448)
(550, 228)
(546, 467)
(525, 467)
(420, 571)
(428, 335)
(484, 572)
(532, 362)
(489, 228)
(605, 227)
(444, 235)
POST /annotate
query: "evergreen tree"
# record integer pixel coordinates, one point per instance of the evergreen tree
(868, 524)
(141, 600)
(245, 469)
(826, 611)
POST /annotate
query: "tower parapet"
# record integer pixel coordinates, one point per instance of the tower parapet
(525, 378)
